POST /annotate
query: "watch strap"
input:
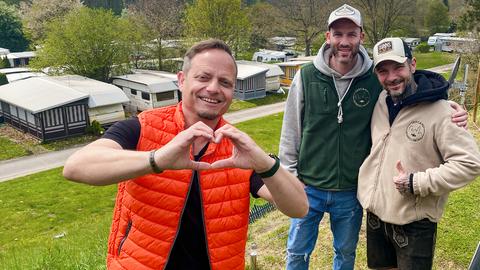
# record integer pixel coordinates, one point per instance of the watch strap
(152, 162)
(272, 170)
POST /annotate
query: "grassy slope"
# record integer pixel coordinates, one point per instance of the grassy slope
(433, 59)
(9, 149)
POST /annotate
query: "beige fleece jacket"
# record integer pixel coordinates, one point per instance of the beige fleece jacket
(442, 156)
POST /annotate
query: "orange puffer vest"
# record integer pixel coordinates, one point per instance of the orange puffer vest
(148, 209)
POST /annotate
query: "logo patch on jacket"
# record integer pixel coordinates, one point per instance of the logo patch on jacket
(415, 131)
(361, 97)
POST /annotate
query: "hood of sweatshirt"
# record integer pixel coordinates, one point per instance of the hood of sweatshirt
(431, 86)
(321, 62)
(342, 82)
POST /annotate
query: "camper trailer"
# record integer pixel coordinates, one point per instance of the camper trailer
(272, 56)
(459, 45)
(412, 42)
(436, 38)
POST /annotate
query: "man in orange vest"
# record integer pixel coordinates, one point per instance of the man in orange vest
(185, 175)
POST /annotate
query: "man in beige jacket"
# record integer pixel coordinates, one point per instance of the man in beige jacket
(418, 156)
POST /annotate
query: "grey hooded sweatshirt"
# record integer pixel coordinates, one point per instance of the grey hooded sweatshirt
(291, 135)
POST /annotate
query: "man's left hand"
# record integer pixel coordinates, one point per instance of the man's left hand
(460, 116)
(402, 181)
(246, 153)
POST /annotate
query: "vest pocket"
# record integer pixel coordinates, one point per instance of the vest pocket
(127, 231)
(320, 100)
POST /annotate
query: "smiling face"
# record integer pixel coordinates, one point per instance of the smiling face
(207, 86)
(395, 77)
(344, 38)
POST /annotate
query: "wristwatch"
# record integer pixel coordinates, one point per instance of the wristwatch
(153, 164)
(272, 170)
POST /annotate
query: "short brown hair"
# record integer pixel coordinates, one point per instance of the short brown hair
(201, 46)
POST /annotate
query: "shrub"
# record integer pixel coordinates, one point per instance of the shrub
(4, 63)
(94, 128)
(3, 79)
(422, 48)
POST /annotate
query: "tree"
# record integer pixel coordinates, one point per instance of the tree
(470, 20)
(436, 17)
(86, 42)
(37, 13)
(11, 33)
(307, 18)
(221, 19)
(163, 18)
(381, 16)
(114, 5)
(266, 20)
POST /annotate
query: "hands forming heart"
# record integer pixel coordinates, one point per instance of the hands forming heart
(246, 153)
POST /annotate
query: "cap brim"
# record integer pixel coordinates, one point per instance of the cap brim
(396, 58)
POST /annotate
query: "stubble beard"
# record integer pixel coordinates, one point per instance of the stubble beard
(354, 51)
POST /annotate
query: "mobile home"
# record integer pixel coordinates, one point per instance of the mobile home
(273, 74)
(20, 59)
(147, 90)
(20, 73)
(46, 110)
(289, 69)
(105, 101)
(251, 82)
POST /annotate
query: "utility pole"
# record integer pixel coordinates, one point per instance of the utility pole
(477, 94)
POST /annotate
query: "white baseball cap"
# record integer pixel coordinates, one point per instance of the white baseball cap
(393, 49)
(345, 12)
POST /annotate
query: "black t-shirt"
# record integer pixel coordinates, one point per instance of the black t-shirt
(190, 249)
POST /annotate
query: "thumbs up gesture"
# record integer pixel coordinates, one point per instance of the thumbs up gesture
(401, 180)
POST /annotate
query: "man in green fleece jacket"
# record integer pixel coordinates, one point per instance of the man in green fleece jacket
(418, 156)
(326, 137)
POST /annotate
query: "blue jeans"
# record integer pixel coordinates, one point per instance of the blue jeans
(345, 221)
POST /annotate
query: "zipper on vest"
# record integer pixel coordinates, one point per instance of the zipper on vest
(180, 221)
(127, 231)
(203, 220)
(377, 174)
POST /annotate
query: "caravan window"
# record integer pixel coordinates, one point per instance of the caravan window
(259, 59)
(165, 96)
(133, 92)
(145, 96)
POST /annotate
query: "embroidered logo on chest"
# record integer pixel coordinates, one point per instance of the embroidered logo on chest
(361, 97)
(415, 131)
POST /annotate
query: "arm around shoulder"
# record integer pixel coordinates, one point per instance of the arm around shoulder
(461, 165)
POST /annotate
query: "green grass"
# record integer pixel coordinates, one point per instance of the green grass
(271, 98)
(458, 231)
(69, 142)
(38, 207)
(433, 59)
(9, 149)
